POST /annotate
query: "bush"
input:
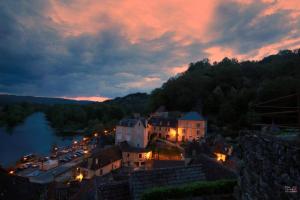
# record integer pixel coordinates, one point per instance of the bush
(191, 190)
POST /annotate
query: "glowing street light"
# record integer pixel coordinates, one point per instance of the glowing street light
(96, 134)
(221, 157)
(75, 142)
(11, 172)
(79, 177)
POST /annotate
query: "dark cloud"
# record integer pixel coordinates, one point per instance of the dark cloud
(37, 58)
(244, 27)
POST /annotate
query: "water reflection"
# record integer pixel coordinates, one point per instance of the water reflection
(33, 136)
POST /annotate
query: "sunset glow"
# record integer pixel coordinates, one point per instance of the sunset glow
(81, 48)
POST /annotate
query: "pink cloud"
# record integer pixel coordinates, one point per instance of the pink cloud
(139, 19)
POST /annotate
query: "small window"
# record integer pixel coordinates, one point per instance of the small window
(183, 130)
(142, 163)
(101, 171)
(140, 155)
(198, 125)
(128, 155)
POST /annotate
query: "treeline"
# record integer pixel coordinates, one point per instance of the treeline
(13, 114)
(96, 116)
(225, 91)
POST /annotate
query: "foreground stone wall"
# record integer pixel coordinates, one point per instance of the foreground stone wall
(270, 167)
(140, 181)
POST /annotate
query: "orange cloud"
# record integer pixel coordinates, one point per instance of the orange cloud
(138, 19)
(88, 98)
(176, 70)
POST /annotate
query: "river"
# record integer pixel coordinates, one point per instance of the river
(34, 135)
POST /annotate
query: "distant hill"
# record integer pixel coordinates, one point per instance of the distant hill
(137, 102)
(6, 99)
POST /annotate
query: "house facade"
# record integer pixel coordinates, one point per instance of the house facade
(163, 127)
(134, 157)
(134, 131)
(101, 163)
(192, 126)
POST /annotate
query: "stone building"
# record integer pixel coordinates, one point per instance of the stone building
(192, 126)
(134, 131)
(101, 163)
(133, 156)
(163, 127)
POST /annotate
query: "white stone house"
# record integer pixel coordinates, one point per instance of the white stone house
(134, 131)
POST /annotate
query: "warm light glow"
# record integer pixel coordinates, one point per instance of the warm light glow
(11, 172)
(87, 98)
(79, 177)
(75, 142)
(173, 132)
(85, 139)
(148, 155)
(96, 134)
(221, 157)
(85, 151)
(105, 131)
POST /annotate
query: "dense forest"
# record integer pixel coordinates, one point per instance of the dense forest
(224, 92)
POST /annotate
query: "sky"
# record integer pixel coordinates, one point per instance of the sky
(99, 49)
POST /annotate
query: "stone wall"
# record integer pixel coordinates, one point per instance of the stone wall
(140, 181)
(270, 166)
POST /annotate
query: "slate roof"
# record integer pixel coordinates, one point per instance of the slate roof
(132, 122)
(192, 116)
(163, 122)
(125, 147)
(105, 157)
(142, 180)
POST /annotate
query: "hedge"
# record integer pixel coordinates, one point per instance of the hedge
(191, 190)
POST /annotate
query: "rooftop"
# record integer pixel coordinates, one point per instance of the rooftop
(164, 122)
(132, 122)
(125, 147)
(105, 157)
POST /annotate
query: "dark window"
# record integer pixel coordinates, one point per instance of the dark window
(142, 163)
(198, 125)
(128, 155)
(101, 171)
(140, 155)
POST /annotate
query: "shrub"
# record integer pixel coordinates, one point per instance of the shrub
(191, 190)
